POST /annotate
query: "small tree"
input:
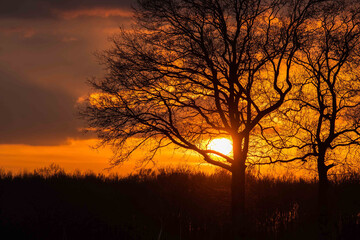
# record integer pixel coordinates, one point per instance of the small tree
(322, 119)
(194, 70)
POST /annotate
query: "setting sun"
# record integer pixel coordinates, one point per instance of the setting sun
(222, 145)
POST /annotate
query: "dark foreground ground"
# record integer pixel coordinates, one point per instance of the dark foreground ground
(177, 204)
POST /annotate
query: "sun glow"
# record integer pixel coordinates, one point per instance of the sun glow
(222, 145)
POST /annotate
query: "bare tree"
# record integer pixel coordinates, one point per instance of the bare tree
(194, 70)
(322, 121)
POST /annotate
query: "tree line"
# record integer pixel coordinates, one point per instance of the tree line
(181, 203)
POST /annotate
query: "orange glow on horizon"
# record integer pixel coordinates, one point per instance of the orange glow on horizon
(75, 154)
(81, 155)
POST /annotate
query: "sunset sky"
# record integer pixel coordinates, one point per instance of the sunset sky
(46, 55)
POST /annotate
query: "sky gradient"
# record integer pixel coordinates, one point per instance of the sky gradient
(46, 56)
(47, 53)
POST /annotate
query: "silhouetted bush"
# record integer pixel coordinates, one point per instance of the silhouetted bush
(167, 204)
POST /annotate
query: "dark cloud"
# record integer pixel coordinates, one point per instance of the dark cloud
(62, 58)
(50, 9)
(46, 55)
(35, 115)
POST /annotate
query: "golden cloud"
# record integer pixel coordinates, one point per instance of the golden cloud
(24, 32)
(95, 12)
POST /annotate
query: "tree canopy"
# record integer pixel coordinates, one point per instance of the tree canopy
(321, 118)
(193, 70)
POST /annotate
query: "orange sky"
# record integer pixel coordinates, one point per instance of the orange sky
(80, 155)
(46, 56)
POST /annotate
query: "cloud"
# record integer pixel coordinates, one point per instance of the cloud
(35, 115)
(52, 9)
(69, 39)
(60, 54)
(22, 31)
(46, 56)
(95, 12)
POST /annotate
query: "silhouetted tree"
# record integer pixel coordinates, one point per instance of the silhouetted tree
(323, 118)
(193, 70)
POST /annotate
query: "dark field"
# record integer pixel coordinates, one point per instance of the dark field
(172, 204)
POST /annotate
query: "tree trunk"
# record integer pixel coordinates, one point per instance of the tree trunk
(238, 199)
(323, 205)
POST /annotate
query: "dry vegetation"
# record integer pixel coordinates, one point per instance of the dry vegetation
(169, 204)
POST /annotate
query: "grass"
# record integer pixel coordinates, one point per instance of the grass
(168, 204)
